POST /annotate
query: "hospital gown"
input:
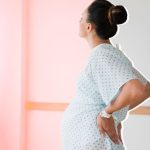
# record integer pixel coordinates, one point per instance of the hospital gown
(100, 81)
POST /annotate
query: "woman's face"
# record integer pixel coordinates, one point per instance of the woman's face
(83, 24)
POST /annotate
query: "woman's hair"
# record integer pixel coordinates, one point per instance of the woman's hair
(106, 17)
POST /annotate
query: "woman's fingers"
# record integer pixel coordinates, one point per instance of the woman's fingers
(119, 131)
(101, 129)
(107, 126)
(113, 134)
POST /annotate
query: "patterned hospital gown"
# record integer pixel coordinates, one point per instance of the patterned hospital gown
(100, 81)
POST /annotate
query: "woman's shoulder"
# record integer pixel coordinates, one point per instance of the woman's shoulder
(109, 53)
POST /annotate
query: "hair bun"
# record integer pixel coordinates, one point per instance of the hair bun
(117, 14)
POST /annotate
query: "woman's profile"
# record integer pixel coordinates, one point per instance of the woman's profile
(107, 88)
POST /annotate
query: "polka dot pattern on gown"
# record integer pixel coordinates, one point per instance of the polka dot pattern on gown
(107, 69)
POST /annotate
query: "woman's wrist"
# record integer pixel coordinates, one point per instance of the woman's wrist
(104, 114)
(109, 109)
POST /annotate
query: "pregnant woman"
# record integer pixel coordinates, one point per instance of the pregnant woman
(106, 89)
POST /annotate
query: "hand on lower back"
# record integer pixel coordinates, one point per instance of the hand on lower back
(107, 126)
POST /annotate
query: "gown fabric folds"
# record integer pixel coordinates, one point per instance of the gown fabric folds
(100, 81)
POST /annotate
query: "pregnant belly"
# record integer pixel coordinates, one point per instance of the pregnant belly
(79, 126)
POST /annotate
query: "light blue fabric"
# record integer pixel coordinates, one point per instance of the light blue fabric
(107, 69)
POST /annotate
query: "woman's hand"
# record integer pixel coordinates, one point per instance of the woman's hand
(119, 127)
(107, 126)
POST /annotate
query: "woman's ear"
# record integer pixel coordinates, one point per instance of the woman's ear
(89, 27)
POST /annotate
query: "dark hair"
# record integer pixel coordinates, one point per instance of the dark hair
(106, 17)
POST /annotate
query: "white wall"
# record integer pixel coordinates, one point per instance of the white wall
(136, 132)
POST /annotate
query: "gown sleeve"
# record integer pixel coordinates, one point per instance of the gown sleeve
(111, 70)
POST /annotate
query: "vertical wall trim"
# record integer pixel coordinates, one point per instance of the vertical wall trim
(24, 75)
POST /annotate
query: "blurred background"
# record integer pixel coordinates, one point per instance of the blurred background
(41, 56)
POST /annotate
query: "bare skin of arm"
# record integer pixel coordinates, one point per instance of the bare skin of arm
(133, 93)
(146, 95)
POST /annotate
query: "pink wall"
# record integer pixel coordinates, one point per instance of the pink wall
(41, 55)
(10, 74)
(56, 56)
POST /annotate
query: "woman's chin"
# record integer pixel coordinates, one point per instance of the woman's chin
(81, 35)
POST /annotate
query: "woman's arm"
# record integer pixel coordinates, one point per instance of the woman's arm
(146, 95)
(132, 93)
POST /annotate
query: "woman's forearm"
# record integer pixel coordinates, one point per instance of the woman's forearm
(145, 95)
(131, 94)
(121, 101)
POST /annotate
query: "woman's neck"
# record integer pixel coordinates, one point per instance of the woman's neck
(96, 41)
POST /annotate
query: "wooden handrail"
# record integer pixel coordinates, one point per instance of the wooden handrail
(141, 110)
(46, 106)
